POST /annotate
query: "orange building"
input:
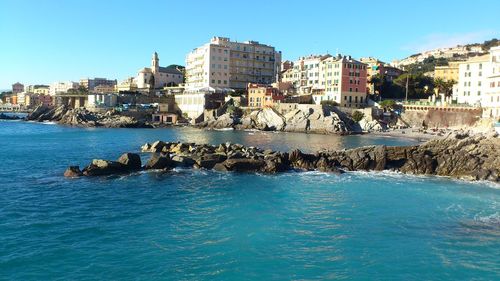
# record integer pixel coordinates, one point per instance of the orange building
(261, 96)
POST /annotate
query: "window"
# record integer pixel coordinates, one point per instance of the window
(350, 89)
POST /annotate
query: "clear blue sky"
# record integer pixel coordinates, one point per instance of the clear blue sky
(44, 41)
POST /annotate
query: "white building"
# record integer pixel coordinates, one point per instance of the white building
(491, 98)
(21, 98)
(472, 76)
(102, 100)
(157, 76)
(62, 87)
(222, 63)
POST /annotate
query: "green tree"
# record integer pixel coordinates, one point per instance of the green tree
(376, 81)
(329, 102)
(357, 115)
(419, 86)
(387, 104)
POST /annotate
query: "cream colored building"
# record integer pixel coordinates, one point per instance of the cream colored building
(491, 100)
(127, 85)
(223, 63)
(472, 81)
(62, 87)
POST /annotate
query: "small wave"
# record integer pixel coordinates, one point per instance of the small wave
(224, 129)
(493, 219)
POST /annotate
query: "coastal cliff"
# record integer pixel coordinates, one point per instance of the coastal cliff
(456, 155)
(84, 118)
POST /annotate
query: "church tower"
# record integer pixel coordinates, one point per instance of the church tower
(155, 63)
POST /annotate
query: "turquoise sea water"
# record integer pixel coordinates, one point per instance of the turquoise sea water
(204, 225)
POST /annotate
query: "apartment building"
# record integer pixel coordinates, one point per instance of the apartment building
(472, 81)
(223, 63)
(62, 87)
(341, 79)
(491, 100)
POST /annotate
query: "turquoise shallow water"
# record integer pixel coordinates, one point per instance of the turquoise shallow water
(204, 225)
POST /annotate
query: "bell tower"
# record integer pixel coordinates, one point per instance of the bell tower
(155, 63)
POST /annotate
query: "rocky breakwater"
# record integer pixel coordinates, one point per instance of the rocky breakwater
(84, 118)
(457, 156)
(324, 121)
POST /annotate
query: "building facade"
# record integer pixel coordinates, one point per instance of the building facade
(90, 84)
(339, 79)
(491, 99)
(156, 77)
(260, 96)
(448, 72)
(472, 76)
(223, 63)
(17, 88)
(62, 87)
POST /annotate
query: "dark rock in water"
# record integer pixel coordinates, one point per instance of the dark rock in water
(159, 161)
(471, 157)
(131, 161)
(242, 165)
(183, 161)
(73, 171)
(9, 117)
(208, 161)
(100, 167)
(302, 161)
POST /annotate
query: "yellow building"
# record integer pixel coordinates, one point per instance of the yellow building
(41, 90)
(448, 72)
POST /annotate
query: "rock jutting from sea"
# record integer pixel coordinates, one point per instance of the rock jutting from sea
(456, 155)
(84, 118)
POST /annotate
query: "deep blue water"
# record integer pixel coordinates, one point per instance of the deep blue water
(204, 225)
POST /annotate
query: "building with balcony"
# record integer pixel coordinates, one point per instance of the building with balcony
(223, 63)
(491, 99)
(472, 82)
(339, 79)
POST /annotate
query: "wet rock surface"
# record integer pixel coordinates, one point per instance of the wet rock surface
(458, 156)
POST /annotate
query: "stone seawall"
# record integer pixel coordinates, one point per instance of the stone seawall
(441, 117)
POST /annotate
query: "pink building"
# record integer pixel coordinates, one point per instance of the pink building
(17, 88)
(343, 81)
